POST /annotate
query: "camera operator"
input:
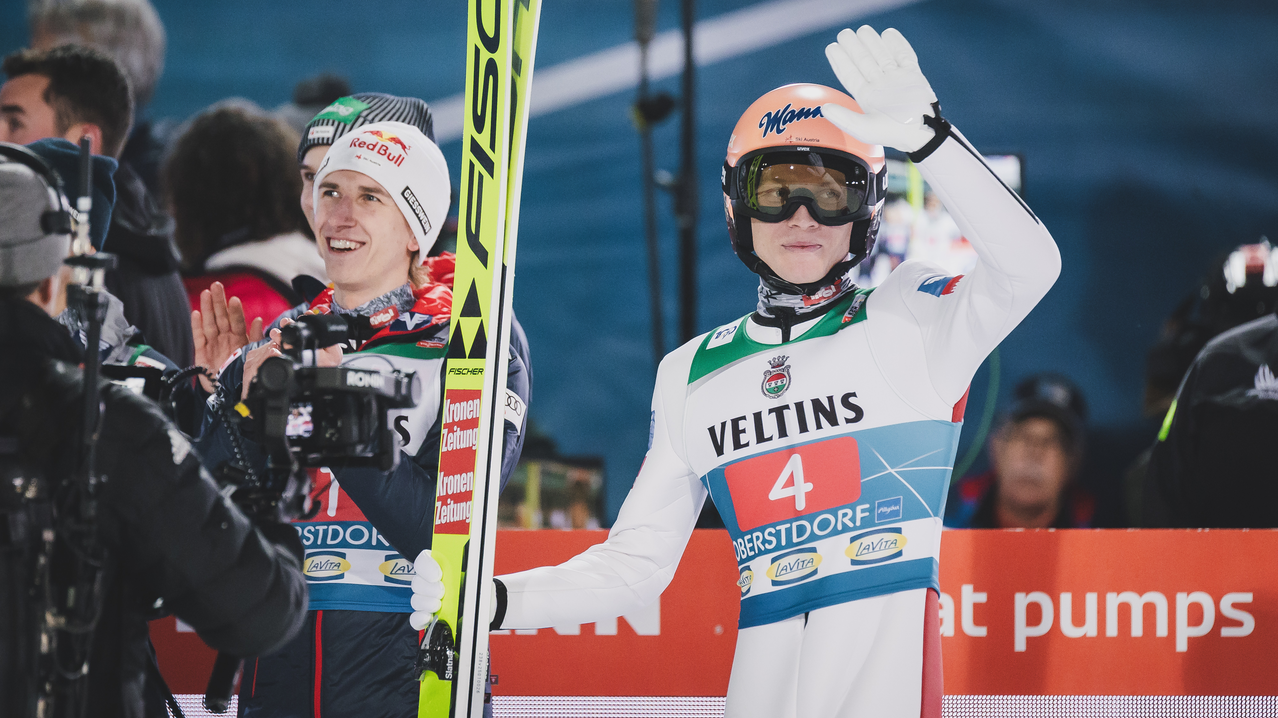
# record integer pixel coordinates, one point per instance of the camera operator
(152, 531)
(380, 198)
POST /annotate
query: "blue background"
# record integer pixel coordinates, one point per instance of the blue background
(1147, 129)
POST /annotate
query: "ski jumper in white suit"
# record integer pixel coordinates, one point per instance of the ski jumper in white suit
(837, 549)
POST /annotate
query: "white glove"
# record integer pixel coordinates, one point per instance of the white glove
(882, 74)
(428, 590)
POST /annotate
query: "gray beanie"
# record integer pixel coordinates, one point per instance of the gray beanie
(364, 108)
(28, 252)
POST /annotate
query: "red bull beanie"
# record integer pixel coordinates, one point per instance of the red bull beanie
(364, 108)
(410, 167)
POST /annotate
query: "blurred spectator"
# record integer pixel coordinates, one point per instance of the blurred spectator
(72, 91)
(1239, 287)
(1034, 456)
(129, 31)
(1213, 464)
(233, 186)
(310, 97)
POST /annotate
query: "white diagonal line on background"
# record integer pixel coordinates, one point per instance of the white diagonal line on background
(719, 38)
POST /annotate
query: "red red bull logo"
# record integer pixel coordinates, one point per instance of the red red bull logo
(382, 145)
(387, 137)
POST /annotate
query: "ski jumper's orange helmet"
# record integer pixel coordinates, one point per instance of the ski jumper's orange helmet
(784, 154)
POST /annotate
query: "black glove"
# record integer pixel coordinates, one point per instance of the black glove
(284, 536)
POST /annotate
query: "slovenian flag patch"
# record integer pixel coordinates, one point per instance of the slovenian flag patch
(939, 285)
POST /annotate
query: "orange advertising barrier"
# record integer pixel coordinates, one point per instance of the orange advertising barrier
(1022, 613)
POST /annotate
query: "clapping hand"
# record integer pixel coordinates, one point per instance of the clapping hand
(219, 330)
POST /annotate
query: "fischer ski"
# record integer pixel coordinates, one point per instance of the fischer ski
(453, 658)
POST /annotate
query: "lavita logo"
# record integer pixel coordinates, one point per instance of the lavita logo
(875, 546)
(396, 569)
(794, 566)
(325, 565)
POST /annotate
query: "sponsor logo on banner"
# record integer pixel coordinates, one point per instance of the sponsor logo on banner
(826, 474)
(746, 580)
(777, 120)
(795, 566)
(875, 546)
(776, 378)
(326, 565)
(396, 569)
(887, 510)
(457, 443)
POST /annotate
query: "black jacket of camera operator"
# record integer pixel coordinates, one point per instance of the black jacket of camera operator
(171, 539)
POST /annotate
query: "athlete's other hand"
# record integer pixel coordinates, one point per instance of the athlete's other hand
(218, 330)
(428, 590)
(327, 356)
(254, 359)
(882, 74)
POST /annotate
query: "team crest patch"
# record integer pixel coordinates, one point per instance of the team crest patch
(776, 378)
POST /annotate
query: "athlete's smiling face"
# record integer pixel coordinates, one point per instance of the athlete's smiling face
(364, 239)
(800, 249)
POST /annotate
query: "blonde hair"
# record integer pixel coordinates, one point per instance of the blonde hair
(418, 274)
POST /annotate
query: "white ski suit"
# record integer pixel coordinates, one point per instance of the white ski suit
(828, 457)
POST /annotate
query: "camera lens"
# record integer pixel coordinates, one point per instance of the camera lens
(275, 374)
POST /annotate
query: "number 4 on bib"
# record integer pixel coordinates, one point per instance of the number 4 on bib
(799, 489)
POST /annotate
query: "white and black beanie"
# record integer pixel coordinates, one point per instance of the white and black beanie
(365, 108)
(408, 165)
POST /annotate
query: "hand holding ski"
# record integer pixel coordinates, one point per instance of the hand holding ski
(428, 590)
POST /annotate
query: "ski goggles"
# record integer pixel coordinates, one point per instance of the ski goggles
(836, 187)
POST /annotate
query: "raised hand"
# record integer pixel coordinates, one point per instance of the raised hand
(882, 73)
(218, 330)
